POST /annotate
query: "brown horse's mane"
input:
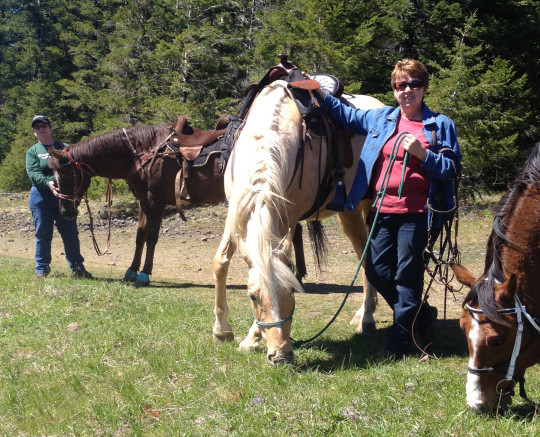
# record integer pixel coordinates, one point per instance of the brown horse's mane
(494, 266)
(142, 137)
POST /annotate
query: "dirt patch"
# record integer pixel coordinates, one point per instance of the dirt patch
(185, 250)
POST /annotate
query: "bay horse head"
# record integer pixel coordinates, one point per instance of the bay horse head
(113, 155)
(500, 315)
(72, 180)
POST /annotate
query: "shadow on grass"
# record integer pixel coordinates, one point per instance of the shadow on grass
(165, 284)
(312, 288)
(192, 285)
(361, 350)
(528, 410)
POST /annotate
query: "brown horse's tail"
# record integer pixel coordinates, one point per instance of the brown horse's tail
(317, 237)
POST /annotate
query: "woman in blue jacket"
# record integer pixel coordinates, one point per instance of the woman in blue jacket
(394, 261)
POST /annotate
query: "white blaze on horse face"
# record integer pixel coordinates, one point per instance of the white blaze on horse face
(265, 305)
(473, 388)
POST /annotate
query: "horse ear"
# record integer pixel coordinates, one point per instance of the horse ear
(53, 152)
(463, 275)
(505, 292)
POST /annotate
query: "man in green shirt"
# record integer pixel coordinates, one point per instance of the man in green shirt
(44, 204)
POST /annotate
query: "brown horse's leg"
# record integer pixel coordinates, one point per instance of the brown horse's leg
(354, 226)
(131, 274)
(220, 266)
(298, 244)
(154, 216)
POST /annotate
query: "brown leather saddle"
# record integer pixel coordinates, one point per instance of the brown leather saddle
(198, 153)
(190, 141)
(318, 122)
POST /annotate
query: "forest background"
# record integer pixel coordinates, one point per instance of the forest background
(98, 65)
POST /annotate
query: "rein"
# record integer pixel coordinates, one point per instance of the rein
(108, 198)
(519, 310)
(83, 168)
(86, 169)
(448, 247)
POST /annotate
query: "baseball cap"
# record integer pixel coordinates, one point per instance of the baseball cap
(40, 118)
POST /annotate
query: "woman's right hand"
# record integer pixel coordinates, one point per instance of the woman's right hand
(53, 188)
(412, 145)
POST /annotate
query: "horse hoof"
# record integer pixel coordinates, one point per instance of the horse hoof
(248, 346)
(142, 280)
(224, 337)
(130, 276)
(366, 328)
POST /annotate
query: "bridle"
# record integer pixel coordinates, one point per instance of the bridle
(276, 323)
(78, 194)
(83, 169)
(519, 310)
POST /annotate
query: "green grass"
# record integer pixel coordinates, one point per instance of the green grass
(101, 358)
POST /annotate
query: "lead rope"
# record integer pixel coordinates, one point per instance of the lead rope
(108, 197)
(380, 196)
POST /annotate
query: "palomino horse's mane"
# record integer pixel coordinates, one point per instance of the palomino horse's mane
(258, 194)
(142, 137)
(494, 268)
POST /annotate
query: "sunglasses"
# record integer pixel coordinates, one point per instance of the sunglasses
(413, 85)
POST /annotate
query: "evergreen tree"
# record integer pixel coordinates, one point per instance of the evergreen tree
(94, 66)
(488, 106)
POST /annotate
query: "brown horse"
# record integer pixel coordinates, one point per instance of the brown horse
(501, 313)
(140, 156)
(267, 196)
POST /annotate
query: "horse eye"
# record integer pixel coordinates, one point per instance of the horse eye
(497, 341)
(253, 297)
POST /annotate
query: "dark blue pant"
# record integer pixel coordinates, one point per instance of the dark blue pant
(394, 265)
(44, 207)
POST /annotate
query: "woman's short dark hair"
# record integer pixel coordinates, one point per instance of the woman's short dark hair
(412, 68)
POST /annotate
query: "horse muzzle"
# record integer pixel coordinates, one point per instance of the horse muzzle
(69, 213)
(277, 358)
(483, 402)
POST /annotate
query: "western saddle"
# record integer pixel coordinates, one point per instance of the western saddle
(203, 154)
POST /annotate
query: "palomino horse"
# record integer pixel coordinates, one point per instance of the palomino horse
(501, 313)
(267, 196)
(136, 155)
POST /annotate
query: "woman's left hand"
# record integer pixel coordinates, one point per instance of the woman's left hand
(412, 145)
